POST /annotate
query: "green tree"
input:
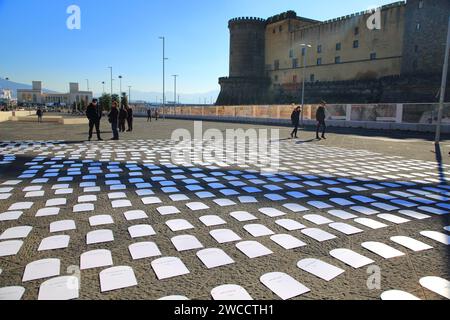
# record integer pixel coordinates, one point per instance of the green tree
(105, 102)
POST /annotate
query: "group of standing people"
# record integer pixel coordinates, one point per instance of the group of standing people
(117, 118)
(320, 118)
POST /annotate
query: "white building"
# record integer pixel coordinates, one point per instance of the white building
(35, 95)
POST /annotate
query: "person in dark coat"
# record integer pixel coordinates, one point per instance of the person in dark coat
(123, 115)
(295, 118)
(39, 114)
(129, 119)
(320, 117)
(94, 114)
(149, 115)
(114, 120)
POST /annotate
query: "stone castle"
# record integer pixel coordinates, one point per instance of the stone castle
(392, 54)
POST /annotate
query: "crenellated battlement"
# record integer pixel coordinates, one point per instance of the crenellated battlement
(242, 20)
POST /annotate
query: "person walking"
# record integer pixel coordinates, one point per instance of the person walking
(94, 114)
(149, 115)
(39, 114)
(123, 115)
(295, 118)
(156, 114)
(113, 118)
(320, 117)
(130, 119)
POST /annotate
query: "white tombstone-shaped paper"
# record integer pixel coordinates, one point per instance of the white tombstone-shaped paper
(290, 225)
(341, 214)
(414, 214)
(60, 289)
(100, 220)
(258, 230)
(142, 230)
(224, 236)
(56, 202)
(20, 206)
(11, 215)
(287, 241)
(151, 200)
(437, 236)
(135, 215)
(351, 258)
(212, 220)
(283, 285)
(224, 202)
(186, 243)
(437, 285)
(116, 195)
(87, 198)
(45, 212)
(41, 269)
(411, 243)
(117, 278)
(365, 210)
(85, 207)
(99, 236)
(345, 228)
(167, 210)
(11, 293)
(10, 248)
(317, 219)
(54, 243)
(96, 259)
(397, 295)
(318, 235)
(253, 249)
(121, 204)
(213, 258)
(230, 292)
(143, 250)
(169, 267)
(16, 233)
(320, 269)
(179, 225)
(63, 225)
(295, 207)
(272, 212)
(196, 206)
(392, 218)
(243, 216)
(370, 223)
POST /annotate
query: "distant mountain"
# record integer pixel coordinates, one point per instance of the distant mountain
(5, 84)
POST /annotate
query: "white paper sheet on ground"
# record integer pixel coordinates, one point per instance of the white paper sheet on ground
(142, 230)
(344, 215)
(230, 292)
(34, 194)
(317, 219)
(10, 216)
(100, 220)
(167, 210)
(212, 220)
(414, 214)
(85, 207)
(411, 243)
(383, 250)
(20, 206)
(258, 230)
(392, 218)
(283, 285)
(290, 225)
(99, 236)
(144, 192)
(295, 207)
(169, 267)
(224, 236)
(370, 223)
(319, 205)
(11, 293)
(121, 204)
(243, 216)
(41, 269)
(213, 258)
(117, 278)
(63, 225)
(88, 198)
(95, 259)
(54, 243)
(351, 258)
(186, 243)
(174, 298)
(272, 212)
(437, 236)
(253, 249)
(365, 210)
(320, 269)
(135, 215)
(16, 233)
(116, 195)
(434, 210)
(287, 241)
(151, 200)
(59, 289)
(142, 250)
(397, 295)
(63, 191)
(345, 228)
(247, 199)
(342, 202)
(10, 248)
(179, 225)
(196, 206)
(178, 197)
(46, 212)
(318, 235)
(224, 202)
(437, 285)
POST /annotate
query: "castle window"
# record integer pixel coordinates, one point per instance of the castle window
(294, 63)
(312, 78)
(356, 44)
(276, 64)
(319, 48)
(338, 46)
(291, 53)
(274, 30)
(337, 60)
(319, 61)
(373, 56)
(303, 51)
(356, 31)
(280, 28)
(420, 4)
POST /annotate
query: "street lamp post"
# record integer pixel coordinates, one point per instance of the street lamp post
(443, 87)
(304, 46)
(164, 75)
(129, 95)
(87, 83)
(111, 86)
(103, 83)
(175, 76)
(120, 93)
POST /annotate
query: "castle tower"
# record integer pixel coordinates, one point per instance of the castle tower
(247, 82)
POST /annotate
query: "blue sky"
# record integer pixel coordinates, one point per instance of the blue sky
(36, 44)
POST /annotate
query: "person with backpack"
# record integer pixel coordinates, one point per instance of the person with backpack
(129, 119)
(39, 114)
(113, 118)
(94, 114)
(295, 118)
(320, 117)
